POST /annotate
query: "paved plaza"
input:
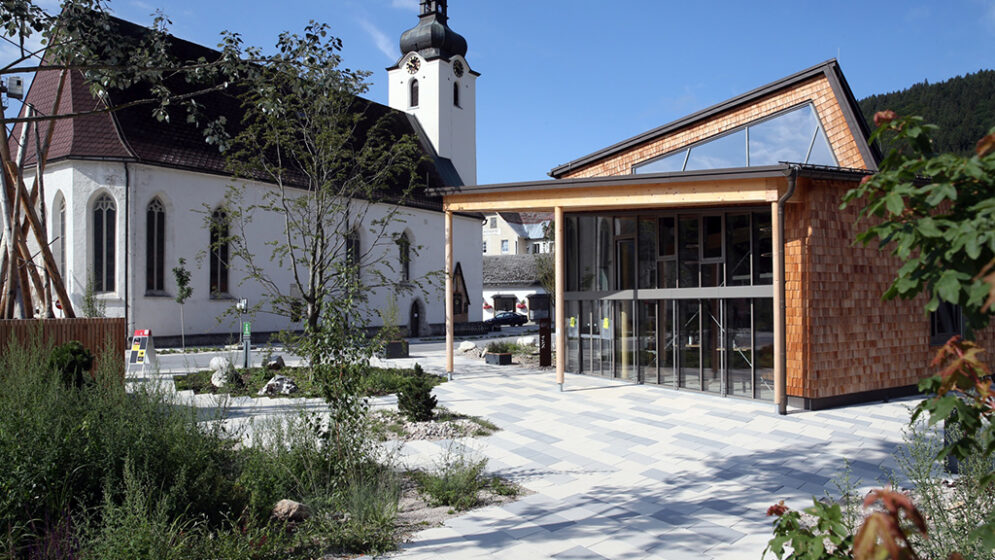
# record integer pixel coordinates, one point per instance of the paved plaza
(630, 471)
(625, 471)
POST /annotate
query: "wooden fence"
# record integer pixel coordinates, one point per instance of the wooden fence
(96, 335)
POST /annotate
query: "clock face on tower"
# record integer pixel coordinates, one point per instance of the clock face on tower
(413, 65)
(458, 69)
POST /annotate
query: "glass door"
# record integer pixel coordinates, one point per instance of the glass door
(689, 344)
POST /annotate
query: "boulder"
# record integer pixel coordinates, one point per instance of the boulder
(219, 363)
(289, 510)
(527, 341)
(219, 379)
(279, 385)
(275, 363)
(227, 377)
(466, 346)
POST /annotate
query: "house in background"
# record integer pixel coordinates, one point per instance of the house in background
(512, 283)
(711, 254)
(516, 233)
(127, 195)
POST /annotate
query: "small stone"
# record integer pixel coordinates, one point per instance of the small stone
(279, 385)
(289, 510)
(527, 341)
(466, 346)
(275, 363)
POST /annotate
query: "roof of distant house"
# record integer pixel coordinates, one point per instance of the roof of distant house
(529, 225)
(508, 270)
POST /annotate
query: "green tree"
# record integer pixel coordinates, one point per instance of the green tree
(936, 212)
(183, 291)
(339, 168)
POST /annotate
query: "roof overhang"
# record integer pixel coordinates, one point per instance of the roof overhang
(750, 186)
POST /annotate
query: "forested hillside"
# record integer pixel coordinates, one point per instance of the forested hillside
(963, 107)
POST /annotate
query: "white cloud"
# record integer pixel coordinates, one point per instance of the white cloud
(409, 5)
(383, 43)
(143, 5)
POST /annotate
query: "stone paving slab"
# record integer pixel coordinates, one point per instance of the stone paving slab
(618, 470)
(641, 472)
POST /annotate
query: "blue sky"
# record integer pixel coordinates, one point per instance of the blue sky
(562, 78)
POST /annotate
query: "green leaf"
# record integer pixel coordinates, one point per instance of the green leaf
(948, 286)
(894, 203)
(927, 227)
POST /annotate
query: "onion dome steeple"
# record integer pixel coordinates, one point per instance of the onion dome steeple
(432, 38)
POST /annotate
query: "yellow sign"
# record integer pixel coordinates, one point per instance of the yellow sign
(573, 322)
(606, 323)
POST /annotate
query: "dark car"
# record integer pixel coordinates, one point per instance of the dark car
(507, 318)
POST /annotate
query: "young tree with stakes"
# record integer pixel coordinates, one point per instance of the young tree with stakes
(339, 168)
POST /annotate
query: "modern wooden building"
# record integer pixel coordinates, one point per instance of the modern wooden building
(711, 254)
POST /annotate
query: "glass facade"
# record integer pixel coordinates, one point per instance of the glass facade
(681, 299)
(795, 135)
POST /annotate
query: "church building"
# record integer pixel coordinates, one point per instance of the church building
(126, 197)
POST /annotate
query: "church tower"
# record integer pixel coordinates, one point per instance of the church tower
(433, 81)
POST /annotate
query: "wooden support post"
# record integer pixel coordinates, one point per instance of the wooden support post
(780, 393)
(449, 292)
(46, 252)
(561, 326)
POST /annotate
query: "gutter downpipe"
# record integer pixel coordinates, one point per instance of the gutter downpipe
(127, 249)
(781, 366)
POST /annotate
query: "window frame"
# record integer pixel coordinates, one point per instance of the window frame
(104, 215)
(219, 256)
(155, 247)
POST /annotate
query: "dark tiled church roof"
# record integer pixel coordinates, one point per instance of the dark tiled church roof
(134, 134)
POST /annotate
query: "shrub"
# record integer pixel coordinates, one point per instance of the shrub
(456, 483)
(415, 400)
(501, 348)
(71, 360)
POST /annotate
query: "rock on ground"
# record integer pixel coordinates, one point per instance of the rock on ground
(289, 510)
(219, 363)
(279, 385)
(466, 346)
(275, 363)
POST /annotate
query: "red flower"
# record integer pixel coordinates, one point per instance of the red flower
(777, 509)
(884, 117)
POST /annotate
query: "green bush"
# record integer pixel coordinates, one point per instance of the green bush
(456, 483)
(64, 450)
(71, 360)
(501, 348)
(415, 400)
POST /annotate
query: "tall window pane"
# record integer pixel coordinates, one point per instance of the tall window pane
(104, 222)
(414, 93)
(763, 249)
(738, 250)
(404, 256)
(688, 242)
(155, 246)
(219, 253)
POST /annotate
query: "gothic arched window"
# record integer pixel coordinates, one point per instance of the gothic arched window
(404, 256)
(104, 239)
(456, 94)
(219, 252)
(414, 93)
(155, 246)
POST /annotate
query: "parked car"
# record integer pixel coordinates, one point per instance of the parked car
(507, 318)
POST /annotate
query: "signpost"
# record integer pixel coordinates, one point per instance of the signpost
(142, 351)
(242, 306)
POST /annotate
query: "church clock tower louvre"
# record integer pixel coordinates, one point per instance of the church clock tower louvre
(433, 81)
